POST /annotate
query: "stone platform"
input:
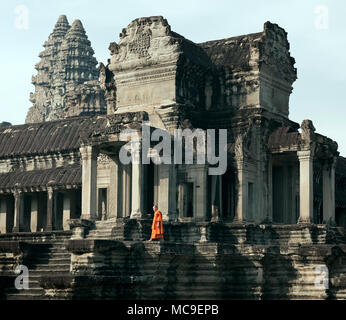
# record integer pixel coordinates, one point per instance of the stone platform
(221, 261)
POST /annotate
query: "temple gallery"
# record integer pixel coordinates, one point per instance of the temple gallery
(255, 210)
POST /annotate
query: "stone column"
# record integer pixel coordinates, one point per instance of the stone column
(113, 190)
(3, 215)
(137, 191)
(56, 222)
(34, 214)
(137, 200)
(126, 192)
(50, 209)
(306, 186)
(89, 180)
(167, 200)
(329, 191)
(18, 210)
(241, 206)
(66, 215)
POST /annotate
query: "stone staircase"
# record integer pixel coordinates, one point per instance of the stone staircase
(104, 230)
(51, 258)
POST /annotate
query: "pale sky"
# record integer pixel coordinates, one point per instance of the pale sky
(317, 37)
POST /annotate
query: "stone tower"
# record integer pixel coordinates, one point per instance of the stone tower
(66, 83)
(42, 81)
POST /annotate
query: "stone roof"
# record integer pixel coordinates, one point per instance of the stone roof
(63, 135)
(5, 124)
(283, 137)
(71, 175)
(46, 137)
(232, 52)
(246, 52)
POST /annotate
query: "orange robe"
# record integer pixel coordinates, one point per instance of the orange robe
(157, 228)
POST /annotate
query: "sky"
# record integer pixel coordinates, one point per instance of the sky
(316, 32)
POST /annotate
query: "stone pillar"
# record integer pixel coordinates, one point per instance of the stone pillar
(34, 214)
(113, 190)
(89, 180)
(123, 190)
(126, 192)
(167, 200)
(18, 210)
(240, 212)
(137, 191)
(306, 186)
(329, 191)
(66, 215)
(50, 209)
(3, 215)
(56, 222)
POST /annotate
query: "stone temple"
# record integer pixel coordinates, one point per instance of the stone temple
(71, 212)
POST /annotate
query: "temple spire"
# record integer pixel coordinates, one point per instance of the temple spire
(61, 26)
(76, 62)
(67, 62)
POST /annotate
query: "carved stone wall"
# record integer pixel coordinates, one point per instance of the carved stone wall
(254, 70)
(154, 66)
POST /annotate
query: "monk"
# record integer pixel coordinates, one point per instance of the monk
(157, 227)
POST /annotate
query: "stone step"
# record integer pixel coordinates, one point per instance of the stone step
(26, 296)
(49, 256)
(102, 229)
(33, 289)
(43, 261)
(57, 251)
(54, 253)
(100, 232)
(99, 235)
(50, 268)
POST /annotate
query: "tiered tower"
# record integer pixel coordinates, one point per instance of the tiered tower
(42, 81)
(67, 80)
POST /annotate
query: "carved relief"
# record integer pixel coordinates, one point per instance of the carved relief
(103, 159)
(245, 144)
(141, 44)
(149, 38)
(308, 135)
